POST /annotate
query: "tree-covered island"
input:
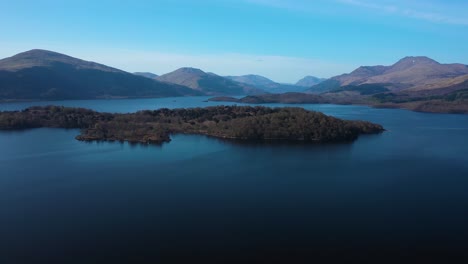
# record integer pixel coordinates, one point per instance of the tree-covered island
(229, 122)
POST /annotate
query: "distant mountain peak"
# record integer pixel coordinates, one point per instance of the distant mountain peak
(256, 76)
(46, 58)
(253, 79)
(413, 60)
(38, 54)
(45, 55)
(418, 59)
(190, 70)
(35, 52)
(265, 84)
(309, 81)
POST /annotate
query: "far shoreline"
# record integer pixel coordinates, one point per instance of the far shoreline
(410, 106)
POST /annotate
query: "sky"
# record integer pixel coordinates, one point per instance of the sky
(283, 40)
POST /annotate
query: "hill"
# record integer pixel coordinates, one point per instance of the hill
(47, 75)
(208, 83)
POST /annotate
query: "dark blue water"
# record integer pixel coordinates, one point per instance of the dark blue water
(401, 196)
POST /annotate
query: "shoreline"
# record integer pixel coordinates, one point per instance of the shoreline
(409, 106)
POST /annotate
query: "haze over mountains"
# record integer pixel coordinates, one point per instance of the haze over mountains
(146, 74)
(253, 79)
(410, 74)
(309, 81)
(267, 84)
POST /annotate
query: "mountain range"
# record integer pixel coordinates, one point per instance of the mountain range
(46, 75)
(410, 75)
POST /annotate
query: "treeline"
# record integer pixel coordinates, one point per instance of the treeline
(51, 116)
(459, 95)
(233, 122)
(455, 102)
(284, 98)
(363, 89)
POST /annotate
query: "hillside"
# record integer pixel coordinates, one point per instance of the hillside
(47, 75)
(208, 83)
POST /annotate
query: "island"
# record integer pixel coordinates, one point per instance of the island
(226, 122)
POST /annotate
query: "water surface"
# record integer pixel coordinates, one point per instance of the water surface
(401, 195)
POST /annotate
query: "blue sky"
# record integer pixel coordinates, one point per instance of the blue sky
(280, 39)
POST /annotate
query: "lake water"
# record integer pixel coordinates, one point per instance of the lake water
(399, 196)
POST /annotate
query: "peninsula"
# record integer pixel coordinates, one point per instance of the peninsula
(228, 122)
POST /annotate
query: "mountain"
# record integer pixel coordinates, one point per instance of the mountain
(309, 81)
(46, 75)
(408, 74)
(208, 83)
(266, 84)
(146, 74)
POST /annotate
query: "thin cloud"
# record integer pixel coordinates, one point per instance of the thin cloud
(386, 8)
(441, 12)
(282, 4)
(403, 9)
